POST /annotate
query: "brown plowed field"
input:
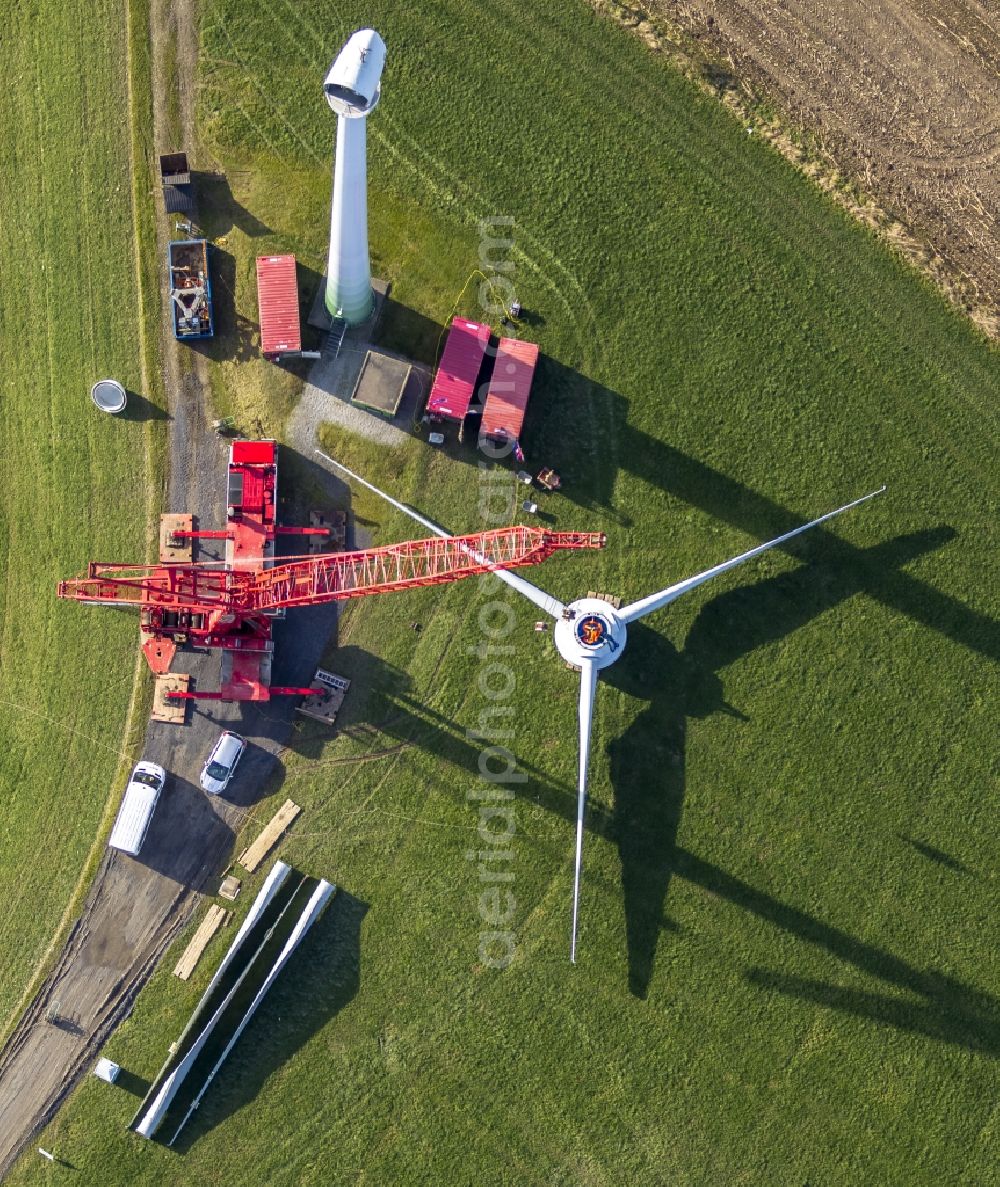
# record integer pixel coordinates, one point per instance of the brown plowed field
(904, 94)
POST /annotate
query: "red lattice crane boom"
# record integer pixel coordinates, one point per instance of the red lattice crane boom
(232, 606)
(329, 577)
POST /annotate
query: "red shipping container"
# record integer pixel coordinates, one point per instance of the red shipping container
(455, 382)
(278, 302)
(510, 387)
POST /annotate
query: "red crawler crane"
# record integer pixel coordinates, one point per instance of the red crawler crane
(232, 606)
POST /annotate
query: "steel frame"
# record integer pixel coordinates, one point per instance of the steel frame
(231, 606)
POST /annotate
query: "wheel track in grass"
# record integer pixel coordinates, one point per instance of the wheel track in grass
(715, 169)
(896, 96)
(125, 750)
(430, 174)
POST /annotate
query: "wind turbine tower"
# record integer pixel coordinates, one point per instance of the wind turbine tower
(352, 87)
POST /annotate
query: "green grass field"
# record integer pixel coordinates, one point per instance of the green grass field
(788, 961)
(76, 484)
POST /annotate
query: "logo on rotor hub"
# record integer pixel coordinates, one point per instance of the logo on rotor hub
(592, 630)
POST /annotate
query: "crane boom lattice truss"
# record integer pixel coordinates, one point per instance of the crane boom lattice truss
(231, 606)
(312, 580)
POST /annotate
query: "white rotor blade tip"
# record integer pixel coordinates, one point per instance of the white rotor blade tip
(646, 606)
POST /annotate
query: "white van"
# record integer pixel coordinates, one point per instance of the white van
(137, 808)
(221, 763)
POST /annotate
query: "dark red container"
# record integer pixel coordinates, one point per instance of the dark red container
(278, 302)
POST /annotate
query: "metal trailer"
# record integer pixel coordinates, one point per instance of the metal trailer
(190, 289)
(175, 178)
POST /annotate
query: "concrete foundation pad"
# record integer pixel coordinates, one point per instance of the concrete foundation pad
(319, 319)
(381, 383)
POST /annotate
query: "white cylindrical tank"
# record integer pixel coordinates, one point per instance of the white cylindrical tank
(352, 89)
(109, 395)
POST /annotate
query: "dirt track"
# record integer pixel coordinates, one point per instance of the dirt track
(904, 96)
(133, 910)
(135, 907)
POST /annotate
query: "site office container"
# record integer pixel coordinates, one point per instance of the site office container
(509, 390)
(461, 361)
(278, 303)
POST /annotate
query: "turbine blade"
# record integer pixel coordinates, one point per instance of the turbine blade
(588, 689)
(545, 602)
(552, 606)
(655, 601)
(432, 527)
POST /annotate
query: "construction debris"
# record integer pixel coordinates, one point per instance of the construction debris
(230, 887)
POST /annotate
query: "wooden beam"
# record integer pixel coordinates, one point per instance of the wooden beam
(252, 856)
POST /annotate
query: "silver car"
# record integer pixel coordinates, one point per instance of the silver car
(221, 763)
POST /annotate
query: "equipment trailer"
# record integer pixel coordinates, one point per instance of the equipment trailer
(190, 288)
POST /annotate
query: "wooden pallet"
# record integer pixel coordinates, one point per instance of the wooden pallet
(172, 712)
(176, 550)
(216, 917)
(251, 857)
(611, 599)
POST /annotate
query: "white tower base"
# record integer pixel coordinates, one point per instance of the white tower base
(349, 282)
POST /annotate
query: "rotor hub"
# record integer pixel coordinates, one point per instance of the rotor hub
(590, 631)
